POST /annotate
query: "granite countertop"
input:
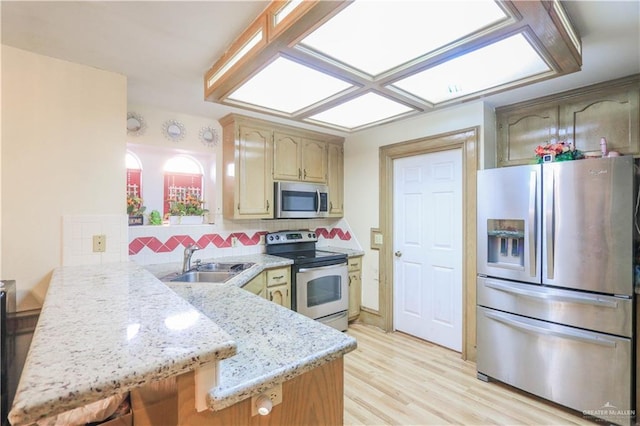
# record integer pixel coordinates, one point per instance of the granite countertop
(107, 329)
(275, 344)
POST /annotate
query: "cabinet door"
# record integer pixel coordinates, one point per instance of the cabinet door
(254, 184)
(280, 295)
(355, 291)
(286, 157)
(612, 114)
(521, 130)
(335, 179)
(314, 161)
(257, 286)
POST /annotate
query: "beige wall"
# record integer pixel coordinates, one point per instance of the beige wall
(362, 174)
(63, 147)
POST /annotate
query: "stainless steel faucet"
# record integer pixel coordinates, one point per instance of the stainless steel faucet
(188, 252)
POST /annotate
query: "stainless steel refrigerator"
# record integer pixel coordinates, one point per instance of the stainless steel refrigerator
(555, 285)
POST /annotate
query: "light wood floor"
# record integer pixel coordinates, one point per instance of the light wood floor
(396, 379)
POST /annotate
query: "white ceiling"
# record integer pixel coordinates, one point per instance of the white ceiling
(164, 48)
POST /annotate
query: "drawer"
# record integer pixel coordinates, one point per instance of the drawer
(576, 368)
(278, 276)
(606, 314)
(355, 263)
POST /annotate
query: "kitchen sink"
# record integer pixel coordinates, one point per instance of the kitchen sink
(210, 273)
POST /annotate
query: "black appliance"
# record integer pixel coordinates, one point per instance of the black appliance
(7, 346)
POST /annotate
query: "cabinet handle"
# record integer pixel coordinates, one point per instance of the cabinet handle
(330, 205)
(299, 173)
(279, 277)
(271, 296)
(267, 205)
(305, 174)
(238, 206)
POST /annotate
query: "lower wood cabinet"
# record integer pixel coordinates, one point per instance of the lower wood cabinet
(273, 285)
(313, 398)
(279, 286)
(355, 286)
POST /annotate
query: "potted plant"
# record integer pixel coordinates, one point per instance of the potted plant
(186, 211)
(135, 209)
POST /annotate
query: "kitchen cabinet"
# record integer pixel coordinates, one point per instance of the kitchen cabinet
(521, 130)
(315, 397)
(257, 285)
(297, 158)
(581, 116)
(273, 285)
(355, 286)
(247, 169)
(257, 152)
(335, 178)
(279, 286)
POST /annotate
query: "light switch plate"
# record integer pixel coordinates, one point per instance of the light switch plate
(99, 243)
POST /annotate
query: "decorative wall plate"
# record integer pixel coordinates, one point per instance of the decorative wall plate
(173, 130)
(135, 124)
(209, 136)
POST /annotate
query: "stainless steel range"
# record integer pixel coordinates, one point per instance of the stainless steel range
(319, 278)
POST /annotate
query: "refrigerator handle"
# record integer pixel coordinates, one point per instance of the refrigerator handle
(568, 333)
(533, 179)
(549, 206)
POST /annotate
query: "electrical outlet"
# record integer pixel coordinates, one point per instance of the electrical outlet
(234, 241)
(274, 394)
(99, 243)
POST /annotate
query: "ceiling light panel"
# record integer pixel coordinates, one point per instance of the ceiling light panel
(366, 109)
(503, 62)
(376, 36)
(287, 86)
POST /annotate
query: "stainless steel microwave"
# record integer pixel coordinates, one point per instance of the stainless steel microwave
(301, 200)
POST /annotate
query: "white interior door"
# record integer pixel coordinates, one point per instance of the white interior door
(427, 229)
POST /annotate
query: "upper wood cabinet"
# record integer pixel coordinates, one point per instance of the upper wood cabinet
(247, 170)
(521, 130)
(582, 117)
(335, 178)
(297, 158)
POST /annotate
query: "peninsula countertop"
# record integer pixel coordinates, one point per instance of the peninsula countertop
(107, 329)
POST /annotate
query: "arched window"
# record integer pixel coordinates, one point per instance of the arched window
(182, 183)
(134, 175)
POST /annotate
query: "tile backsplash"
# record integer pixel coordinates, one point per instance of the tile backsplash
(164, 244)
(77, 239)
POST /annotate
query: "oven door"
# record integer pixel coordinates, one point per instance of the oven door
(322, 291)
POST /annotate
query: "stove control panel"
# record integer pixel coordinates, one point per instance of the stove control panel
(288, 237)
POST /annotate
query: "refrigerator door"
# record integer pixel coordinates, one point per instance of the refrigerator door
(591, 311)
(509, 222)
(587, 232)
(583, 370)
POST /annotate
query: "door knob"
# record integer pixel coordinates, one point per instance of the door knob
(398, 253)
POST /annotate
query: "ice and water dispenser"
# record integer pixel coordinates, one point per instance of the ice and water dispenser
(505, 239)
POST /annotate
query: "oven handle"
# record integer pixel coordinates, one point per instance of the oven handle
(321, 267)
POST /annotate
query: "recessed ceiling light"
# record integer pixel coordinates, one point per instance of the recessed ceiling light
(287, 86)
(360, 111)
(507, 60)
(375, 36)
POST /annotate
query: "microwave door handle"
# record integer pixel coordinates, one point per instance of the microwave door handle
(318, 200)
